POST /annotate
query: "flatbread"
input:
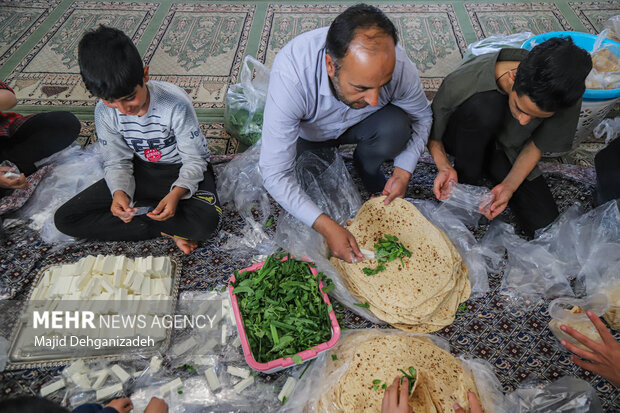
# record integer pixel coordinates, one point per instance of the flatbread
(422, 293)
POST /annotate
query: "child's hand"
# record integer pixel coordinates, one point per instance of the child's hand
(123, 405)
(396, 398)
(120, 206)
(156, 406)
(474, 405)
(167, 206)
(12, 183)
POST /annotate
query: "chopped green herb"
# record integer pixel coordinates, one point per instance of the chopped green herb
(283, 399)
(386, 250)
(334, 357)
(282, 308)
(411, 375)
(223, 288)
(188, 367)
(269, 222)
(365, 305)
(180, 392)
(384, 386)
(297, 359)
(376, 381)
(462, 309)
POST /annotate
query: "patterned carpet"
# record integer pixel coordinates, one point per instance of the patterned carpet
(199, 46)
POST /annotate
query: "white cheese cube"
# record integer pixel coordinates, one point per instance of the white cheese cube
(287, 389)
(238, 371)
(52, 387)
(155, 364)
(83, 280)
(86, 264)
(131, 276)
(161, 266)
(77, 366)
(120, 263)
(46, 279)
(109, 264)
(138, 265)
(101, 375)
(243, 384)
(55, 274)
(184, 346)
(118, 371)
(203, 361)
(146, 287)
(224, 334)
(109, 391)
(172, 386)
(136, 285)
(237, 342)
(149, 267)
(91, 289)
(119, 274)
(98, 265)
(212, 380)
(68, 270)
(107, 286)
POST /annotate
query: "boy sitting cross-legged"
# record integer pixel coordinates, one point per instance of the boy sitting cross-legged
(154, 154)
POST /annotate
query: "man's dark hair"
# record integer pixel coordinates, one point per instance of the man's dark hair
(344, 26)
(110, 64)
(553, 74)
(30, 404)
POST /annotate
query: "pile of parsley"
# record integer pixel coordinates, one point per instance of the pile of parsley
(282, 308)
(386, 250)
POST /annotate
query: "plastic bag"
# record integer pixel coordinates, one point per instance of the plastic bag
(609, 128)
(605, 73)
(12, 172)
(496, 42)
(565, 395)
(75, 169)
(572, 312)
(245, 102)
(472, 199)
(613, 24)
(241, 183)
(4, 353)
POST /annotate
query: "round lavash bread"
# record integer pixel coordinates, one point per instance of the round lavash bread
(378, 355)
(424, 294)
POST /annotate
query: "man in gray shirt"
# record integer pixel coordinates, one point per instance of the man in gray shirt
(350, 83)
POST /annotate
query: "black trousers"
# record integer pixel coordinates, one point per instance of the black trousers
(607, 164)
(40, 136)
(87, 215)
(470, 136)
(379, 138)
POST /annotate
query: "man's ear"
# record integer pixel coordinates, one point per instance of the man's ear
(146, 74)
(330, 65)
(511, 78)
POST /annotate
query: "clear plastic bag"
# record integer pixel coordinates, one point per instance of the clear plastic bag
(613, 24)
(4, 353)
(565, 395)
(75, 169)
(609, 128)
(495, 43)
(241, 184)
(12, 172)
(605, 73)
(245, 102)
(572, 312)
(472, 199)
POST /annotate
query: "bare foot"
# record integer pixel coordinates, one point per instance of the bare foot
(184, 245)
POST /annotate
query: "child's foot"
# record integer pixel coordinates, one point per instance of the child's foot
(184, 245)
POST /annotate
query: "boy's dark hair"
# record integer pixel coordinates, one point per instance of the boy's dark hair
(342, 30)
(30, 404)
(110, 64)
(553, 74)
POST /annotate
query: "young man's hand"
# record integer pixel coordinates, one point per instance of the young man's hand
(603, 358)
(167, 206)
(120, 206)
(474, 403)
(396, 186)
(156, 406)
(501, 195)
(441, 186)
(339, 240)
(12, 183)
(123, 405)
(395, 399)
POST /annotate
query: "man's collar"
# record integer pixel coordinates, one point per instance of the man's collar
(325, 87)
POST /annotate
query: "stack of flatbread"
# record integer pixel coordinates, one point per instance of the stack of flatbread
(422, 295)
(367, 356)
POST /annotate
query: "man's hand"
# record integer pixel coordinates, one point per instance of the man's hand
(120, 206)
(501, 195)
(156, 406)
(396, 400)
(475, 406)
(12, 183)
(441, 186)
(339, 240)
(396, 186)
(123, 405)
(603, 358)
(167, 206)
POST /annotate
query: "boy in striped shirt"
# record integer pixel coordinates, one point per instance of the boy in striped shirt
(154, 154)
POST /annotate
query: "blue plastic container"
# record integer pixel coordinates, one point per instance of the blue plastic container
(585, 41)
